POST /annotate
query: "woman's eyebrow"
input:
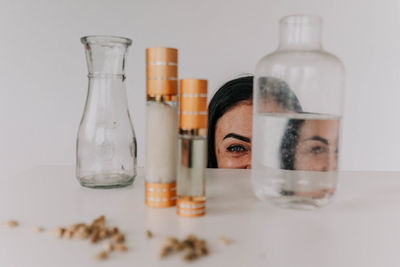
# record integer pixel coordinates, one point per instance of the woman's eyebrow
(237, 136)
(318, 138)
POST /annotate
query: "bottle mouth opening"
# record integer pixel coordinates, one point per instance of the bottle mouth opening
(102, 39)
(301, 19)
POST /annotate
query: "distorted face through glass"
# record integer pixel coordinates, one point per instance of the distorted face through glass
(310, 145)
(317, 146)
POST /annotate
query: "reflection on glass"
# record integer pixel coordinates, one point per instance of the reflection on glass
(296, 158)
(310, 145)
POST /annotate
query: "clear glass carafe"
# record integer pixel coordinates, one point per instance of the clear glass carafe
(298, 99)
(106, 143)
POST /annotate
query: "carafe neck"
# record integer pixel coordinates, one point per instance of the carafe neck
(300, 32)
(106, 55)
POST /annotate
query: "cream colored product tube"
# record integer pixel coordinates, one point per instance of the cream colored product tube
(161, 153)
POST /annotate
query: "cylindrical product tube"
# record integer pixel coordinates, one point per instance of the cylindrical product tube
(161, 126)
(192, 148)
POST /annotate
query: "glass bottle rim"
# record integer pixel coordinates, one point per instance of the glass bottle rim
(93, 39)
(301, 19)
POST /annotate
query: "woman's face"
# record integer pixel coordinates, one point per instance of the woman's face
(317, 146)
(233, 137)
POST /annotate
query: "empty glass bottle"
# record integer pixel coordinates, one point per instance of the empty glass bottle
(298, 96)
(106, 144)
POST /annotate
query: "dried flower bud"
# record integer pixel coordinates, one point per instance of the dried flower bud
(77, 226)
(95, 237)
(225, 240)
(96, 231)
(170, 241)
(118, 238)
(120, 247)
(58, 232)
(82, 234)
(190, 255)
(68, 234)
(149, 234)
(99, 222)
(38, 229)
(104, 233)
(11, 223)
(109, 246)
(102, 255)
(165, 251)
(192, 246)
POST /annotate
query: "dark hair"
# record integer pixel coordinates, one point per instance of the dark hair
(279, 91)
(289, 143)
(228, 96)
(241, 89)
(275, 89)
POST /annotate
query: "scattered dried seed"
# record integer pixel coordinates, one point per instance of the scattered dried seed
(57, 232)
(190, 255)
(165, 251)
(149, 234)
(38, 229)
(75, 227)
(68, 234)
(170, 241)
(108, 246)
(11, 223)
(204, 250)
(118, 238)
(95, 237)
(172, 244)
(192, 246)
(104, 233)
(102, 255)
(120, 247)
(225, 240)
(81, 228)
(95, 232)
(188, 243)
(99, 222)
(83, 234)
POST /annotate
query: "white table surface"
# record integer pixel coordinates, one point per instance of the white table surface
(360, 228)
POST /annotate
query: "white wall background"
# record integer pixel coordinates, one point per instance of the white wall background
(43, 80)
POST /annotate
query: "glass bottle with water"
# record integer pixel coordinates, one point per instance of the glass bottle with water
(298, 102)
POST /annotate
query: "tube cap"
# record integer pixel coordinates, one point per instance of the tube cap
(193, 104)
(162, 71)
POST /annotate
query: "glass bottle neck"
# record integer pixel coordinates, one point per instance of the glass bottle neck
(300, 32)
(106, 55)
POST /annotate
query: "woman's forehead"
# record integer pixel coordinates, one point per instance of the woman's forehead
(236, 120)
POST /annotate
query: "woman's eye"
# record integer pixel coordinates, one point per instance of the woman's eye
(235, 149)
(316, 150)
